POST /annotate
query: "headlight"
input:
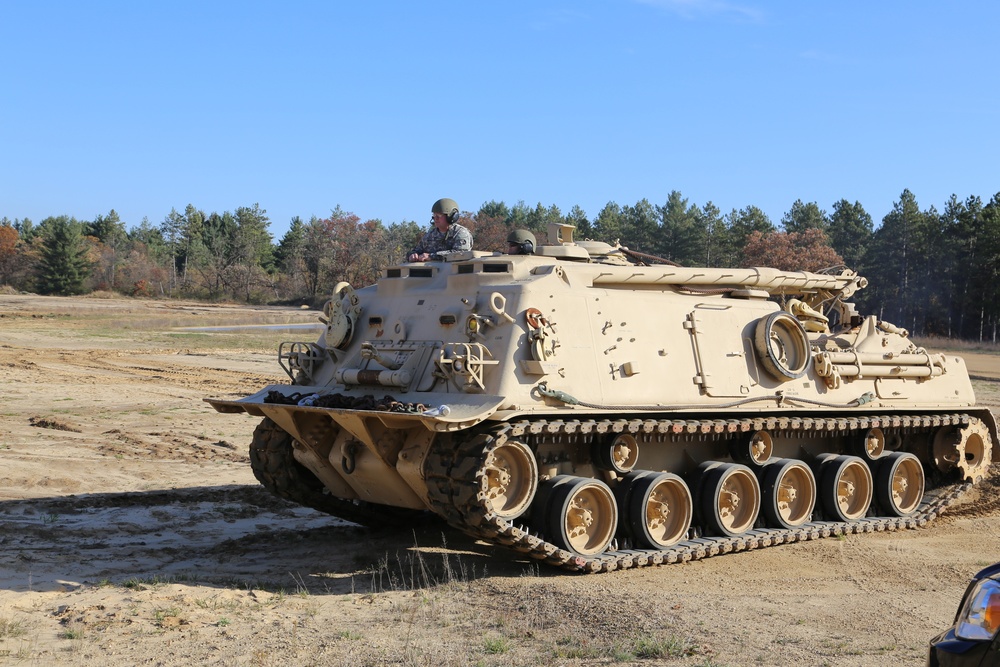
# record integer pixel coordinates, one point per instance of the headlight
(980, 615)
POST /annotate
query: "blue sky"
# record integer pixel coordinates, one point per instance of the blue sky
(383, 107)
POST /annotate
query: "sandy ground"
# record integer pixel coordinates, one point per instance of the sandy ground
(132, 532)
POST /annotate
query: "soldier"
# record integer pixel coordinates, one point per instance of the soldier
(445, 237)
(520, 242)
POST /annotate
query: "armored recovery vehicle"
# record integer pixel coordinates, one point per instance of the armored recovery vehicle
(595, 413)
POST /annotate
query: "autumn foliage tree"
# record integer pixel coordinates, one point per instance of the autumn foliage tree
(8, 252)
(489, 232)
(807, 250)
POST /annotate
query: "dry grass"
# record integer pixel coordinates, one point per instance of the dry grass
(112, 320)
(939, 343)
(12, 628)
(102, 294)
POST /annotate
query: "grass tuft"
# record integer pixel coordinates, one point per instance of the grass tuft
(497, 645)
(11, 628)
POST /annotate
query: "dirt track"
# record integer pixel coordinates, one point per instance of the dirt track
(133, 532)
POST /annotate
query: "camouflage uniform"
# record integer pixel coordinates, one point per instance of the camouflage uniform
(456, 239)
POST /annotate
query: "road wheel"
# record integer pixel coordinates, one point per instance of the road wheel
(788, 493)
(659, 510)
(729, 499)
(582, 516)
(899, 483)
(845, 487)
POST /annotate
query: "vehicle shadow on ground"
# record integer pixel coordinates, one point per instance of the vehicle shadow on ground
(234, 536)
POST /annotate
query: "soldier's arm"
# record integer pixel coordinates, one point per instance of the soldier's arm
(414, 255)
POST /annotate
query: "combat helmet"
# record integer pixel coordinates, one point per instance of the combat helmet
(523, 239)
(447, 206)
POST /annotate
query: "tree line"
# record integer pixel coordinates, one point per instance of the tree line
(933, 272)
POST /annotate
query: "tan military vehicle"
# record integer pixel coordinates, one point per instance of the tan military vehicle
(595, 413)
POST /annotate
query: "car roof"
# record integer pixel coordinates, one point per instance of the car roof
(991, 571)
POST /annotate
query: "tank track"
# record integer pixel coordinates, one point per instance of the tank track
(454, 483)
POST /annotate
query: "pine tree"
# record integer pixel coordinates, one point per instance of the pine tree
(64, 267)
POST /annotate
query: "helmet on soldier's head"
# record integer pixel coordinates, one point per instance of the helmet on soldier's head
(523, 239)
(447, 206)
